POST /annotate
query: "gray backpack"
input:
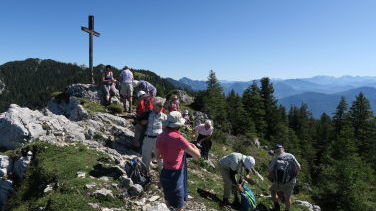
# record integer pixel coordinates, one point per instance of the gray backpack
(285, 170)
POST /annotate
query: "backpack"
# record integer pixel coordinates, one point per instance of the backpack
(136, 170)
(285, 170)
(248, 199)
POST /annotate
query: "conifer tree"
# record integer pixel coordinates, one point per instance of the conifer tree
(254, 107)
(240, 123)
(271, 110)
(215, 103)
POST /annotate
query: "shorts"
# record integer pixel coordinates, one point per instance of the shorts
(109, 90)
(126, 90)
(287, 189)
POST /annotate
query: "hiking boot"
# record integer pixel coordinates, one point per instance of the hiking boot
(276, 207)
(225, 202)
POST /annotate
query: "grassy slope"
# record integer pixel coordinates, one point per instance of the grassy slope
(59, 165)
(202, 176)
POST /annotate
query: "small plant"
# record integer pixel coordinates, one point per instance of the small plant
(60, 96)
(115, 108)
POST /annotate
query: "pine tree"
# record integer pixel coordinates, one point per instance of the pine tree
(254, 107)
(240, 123)
(215, 103)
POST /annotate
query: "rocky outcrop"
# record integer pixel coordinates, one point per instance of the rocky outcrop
(306, 204)
(184, 97)
(199, 118)
(21, 125)
(91, 92)
(71, 108)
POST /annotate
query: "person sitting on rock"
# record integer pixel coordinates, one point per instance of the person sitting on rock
(230, 166)
(205, 132)
(283, 170)
(153, 120)
(144, 104)
(171, 147)
(126, 88)
(145, 86)
(108, 81)
(173, 104)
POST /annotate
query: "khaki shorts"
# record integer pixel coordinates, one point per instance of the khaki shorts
(126, 90)
(286, 189)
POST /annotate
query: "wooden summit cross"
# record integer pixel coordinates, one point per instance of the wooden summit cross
(91, 32)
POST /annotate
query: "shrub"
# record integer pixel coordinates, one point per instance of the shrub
(115, 108)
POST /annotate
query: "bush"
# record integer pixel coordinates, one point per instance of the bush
(115, 108)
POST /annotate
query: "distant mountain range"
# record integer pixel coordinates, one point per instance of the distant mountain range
(320, 93)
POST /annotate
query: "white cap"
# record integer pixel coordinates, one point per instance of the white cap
(140, 93)
(249, 162)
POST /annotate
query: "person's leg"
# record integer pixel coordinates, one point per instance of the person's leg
(274, 194)
(106, 94)
(227, 184)
(147, 150)
(287, 192)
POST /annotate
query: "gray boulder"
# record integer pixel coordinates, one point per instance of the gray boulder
(307, 205)
(21, 164)
(21, 125)
(156, 207)
(4, 165)
(71, 108)
(199, 118)
(103, 193)
(91, 92)
(184, 97)
(135, 190)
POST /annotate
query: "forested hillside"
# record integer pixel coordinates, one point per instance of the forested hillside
(337, 154)
(32, 81)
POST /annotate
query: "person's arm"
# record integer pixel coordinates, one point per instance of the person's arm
(193, 151)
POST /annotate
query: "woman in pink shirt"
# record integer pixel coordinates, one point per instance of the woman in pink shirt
(171, 147)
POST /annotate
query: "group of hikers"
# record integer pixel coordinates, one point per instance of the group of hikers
(163, 147)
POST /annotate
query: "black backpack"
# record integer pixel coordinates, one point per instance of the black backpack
(136, 170)
(285, 170)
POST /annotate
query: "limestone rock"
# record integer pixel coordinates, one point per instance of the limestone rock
(135, 190)
(184, 97)
(81, 174)
(71, 108)
(308, 205)
(103, 193)
(48, 188)
(21, 164)
(4, 165)
(156, 207)
(21, 125)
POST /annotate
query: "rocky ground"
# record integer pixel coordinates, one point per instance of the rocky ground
(85, 149)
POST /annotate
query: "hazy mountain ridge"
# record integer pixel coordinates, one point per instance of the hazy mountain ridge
(319, 103)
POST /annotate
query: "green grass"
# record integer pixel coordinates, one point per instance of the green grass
(201, 175)
(92, 106)
(59, 165)
(115, 108)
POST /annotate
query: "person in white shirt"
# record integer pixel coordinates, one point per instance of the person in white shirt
(126, 88)
(205, 132)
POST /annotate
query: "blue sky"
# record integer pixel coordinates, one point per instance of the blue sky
(239, 40)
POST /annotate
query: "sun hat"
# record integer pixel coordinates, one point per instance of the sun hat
(278, 146)
(140, 93)
(174, 119)
(249, 162)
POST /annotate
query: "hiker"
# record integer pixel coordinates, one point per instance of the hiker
(171, 147)
(283, 170)
(145, 86)
(126, 88)
(173, 104)
(153, 120)
(144, 103)
(108, 81)
(231, 165)
(186, 117)
(205, 132)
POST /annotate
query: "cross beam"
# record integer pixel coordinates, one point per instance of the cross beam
(91, 32)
